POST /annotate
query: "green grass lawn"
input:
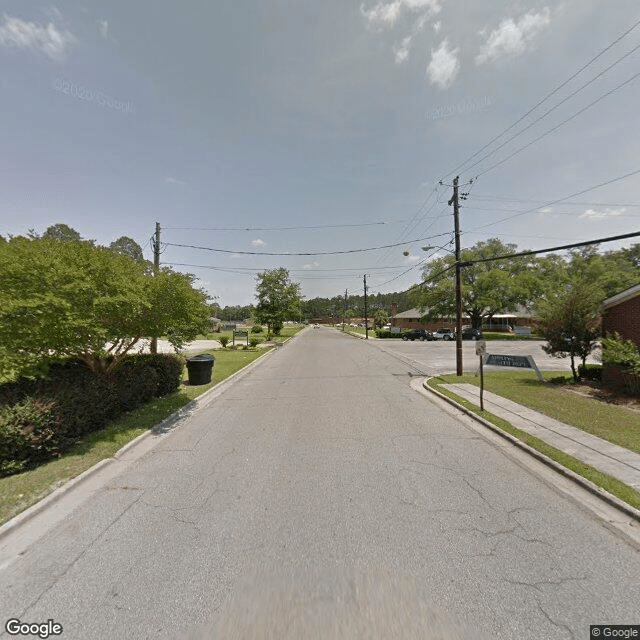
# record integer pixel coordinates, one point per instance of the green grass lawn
(20, 491)
(610, 422)
(613, 423)
(287, 332)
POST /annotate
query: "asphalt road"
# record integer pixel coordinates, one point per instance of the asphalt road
(321, 496)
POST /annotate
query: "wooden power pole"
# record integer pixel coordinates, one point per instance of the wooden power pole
(156, 269)
(456, 214)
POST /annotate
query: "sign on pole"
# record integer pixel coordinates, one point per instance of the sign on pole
(521, 362)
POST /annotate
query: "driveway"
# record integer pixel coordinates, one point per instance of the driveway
(435, 358)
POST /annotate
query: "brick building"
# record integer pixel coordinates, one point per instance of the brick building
(411, 319)
(621, 314)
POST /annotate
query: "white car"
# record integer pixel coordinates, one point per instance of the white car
(444, 334)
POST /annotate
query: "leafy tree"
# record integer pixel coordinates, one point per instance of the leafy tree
(570, 321)
(61, 232)
(380, 318)
(278, 298)
(72, 299)
(126, 246)
(487, 287)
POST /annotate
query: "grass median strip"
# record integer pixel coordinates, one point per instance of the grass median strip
(20, 491)
(499, 383)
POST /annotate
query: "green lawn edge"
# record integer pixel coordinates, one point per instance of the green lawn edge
(615, 487)
(19, 492)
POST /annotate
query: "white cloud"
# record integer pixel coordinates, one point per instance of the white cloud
(103, 28)
(28, 35)
(311, 265)
(594, 214)
(388, 14)
(512, 38)
(444, 65)
(437, 26)
(402, 52)
(258, 243)
(170, 180)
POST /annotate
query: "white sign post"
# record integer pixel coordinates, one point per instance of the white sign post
(481, 349)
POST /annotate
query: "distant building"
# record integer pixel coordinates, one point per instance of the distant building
(412, 319)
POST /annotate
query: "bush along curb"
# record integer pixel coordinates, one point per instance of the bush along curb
(592, 488)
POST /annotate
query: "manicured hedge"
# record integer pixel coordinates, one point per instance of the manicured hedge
(39, 419)
(387, 334)
(590, 372)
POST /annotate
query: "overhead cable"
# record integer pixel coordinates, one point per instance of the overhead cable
(303, 253)
(548, 204)
(543, 100)
(556, 127)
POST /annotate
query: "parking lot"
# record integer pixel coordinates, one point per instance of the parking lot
(434, 358)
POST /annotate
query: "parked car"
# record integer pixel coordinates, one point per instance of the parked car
(417, 334)
(469, 333)
(444, 334)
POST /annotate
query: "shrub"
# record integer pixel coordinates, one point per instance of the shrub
(168, 368)
(256, 329)
(277, 327)
(39, 419)
(590, 372)
(254, 342)
(29, 433)
(621, 352)
(387, 334)
(224, 341)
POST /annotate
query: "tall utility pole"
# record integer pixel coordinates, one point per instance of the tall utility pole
(344, 308)
(366, 315)
(156, 269)
(456, 212)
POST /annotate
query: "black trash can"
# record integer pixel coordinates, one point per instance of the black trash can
(199, 368)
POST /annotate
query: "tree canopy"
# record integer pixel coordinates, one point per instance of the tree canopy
(570, 320)
(278, 298)
(127, 246)
(61, 232)
(487, 287)
(73, 299)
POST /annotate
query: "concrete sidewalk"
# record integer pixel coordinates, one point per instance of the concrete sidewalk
(609, 458)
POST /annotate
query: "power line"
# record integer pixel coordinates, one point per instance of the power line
(574, 245)
(548, 111)
(302, 253)
(291, 228)
(259, 269)
(415, 220)
(588, 204)
(551, 93)
(555, 213)
(548, 204)
(546, 133)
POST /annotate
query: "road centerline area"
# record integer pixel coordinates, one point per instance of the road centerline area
(321, 484)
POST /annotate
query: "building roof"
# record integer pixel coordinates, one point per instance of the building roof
(621, 297)
(411, 313)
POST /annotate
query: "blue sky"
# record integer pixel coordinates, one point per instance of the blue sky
(335, 117)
